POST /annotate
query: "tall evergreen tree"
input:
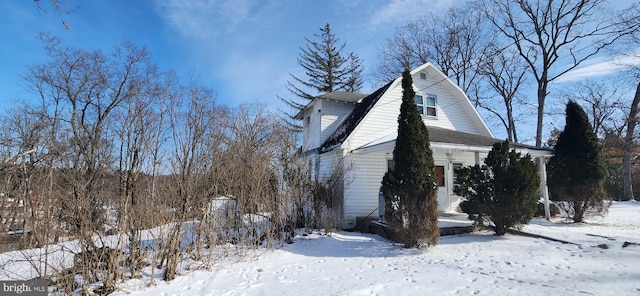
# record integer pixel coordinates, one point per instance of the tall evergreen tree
(410, 188)
(576, 172)
(327, 69)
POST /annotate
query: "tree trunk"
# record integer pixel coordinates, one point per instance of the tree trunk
(629, 146)
(511, 130)
(542, 95)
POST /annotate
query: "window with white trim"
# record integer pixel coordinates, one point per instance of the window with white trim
(426, 104)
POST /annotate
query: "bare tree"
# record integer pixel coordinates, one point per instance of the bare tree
(59, 7)
(631, 18)
(629, 146)
(191, 123)
(81, 91)
(20, 136)
(555, 37)
(120, 158)
(505, 76)
(253, 141)
(601, 101)
(139, 122)
(454, 41)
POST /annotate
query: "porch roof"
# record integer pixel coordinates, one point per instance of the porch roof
(445, 138)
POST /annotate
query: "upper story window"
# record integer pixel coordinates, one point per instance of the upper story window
(426, 104)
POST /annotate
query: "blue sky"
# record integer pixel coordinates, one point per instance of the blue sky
(242, 49)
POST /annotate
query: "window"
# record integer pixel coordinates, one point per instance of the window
(314, 168)
(423, 76)
(391, 164)
(456, 166)
(426, 104)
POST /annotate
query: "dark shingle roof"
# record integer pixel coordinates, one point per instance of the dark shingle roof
(346, 127)
(441, 135)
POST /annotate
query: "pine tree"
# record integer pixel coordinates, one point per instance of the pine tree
(576, 172)
(326, 70)
(502, 191)
(409, 189)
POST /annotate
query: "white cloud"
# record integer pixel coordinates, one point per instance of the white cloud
(402, 11)
(204, 19)
(601, 66)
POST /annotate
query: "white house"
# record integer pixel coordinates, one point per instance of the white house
(356, 133)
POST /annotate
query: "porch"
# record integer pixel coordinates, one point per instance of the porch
(448, 223)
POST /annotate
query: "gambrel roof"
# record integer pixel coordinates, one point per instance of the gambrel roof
(443, 136)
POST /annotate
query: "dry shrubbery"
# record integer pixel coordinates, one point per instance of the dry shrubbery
(129, 170)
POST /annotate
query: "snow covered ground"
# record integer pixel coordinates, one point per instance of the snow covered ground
(597, 261)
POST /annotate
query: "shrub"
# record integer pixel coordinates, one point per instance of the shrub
(502, 191)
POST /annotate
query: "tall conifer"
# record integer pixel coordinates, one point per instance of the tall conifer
(576, 172)
(327, 69)
(410, 188)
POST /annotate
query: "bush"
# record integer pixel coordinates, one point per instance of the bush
(503, 191)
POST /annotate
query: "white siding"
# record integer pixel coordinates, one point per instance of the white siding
(333, 113)
(381, 120)
(366, 167)
(311, 127)
(362, 185)
(323, 117)
(454, 112)
(451, 111)
(364, 180)
(328, 163)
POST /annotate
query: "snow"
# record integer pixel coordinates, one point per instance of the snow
(599, 257)
(593, 262)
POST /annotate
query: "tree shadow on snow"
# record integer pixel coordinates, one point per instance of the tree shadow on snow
(353, 244)
(347, 245)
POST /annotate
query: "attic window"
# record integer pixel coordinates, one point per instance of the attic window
(426, 105)
(423, 76)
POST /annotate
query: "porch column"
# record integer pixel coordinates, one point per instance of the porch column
(542, 166)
